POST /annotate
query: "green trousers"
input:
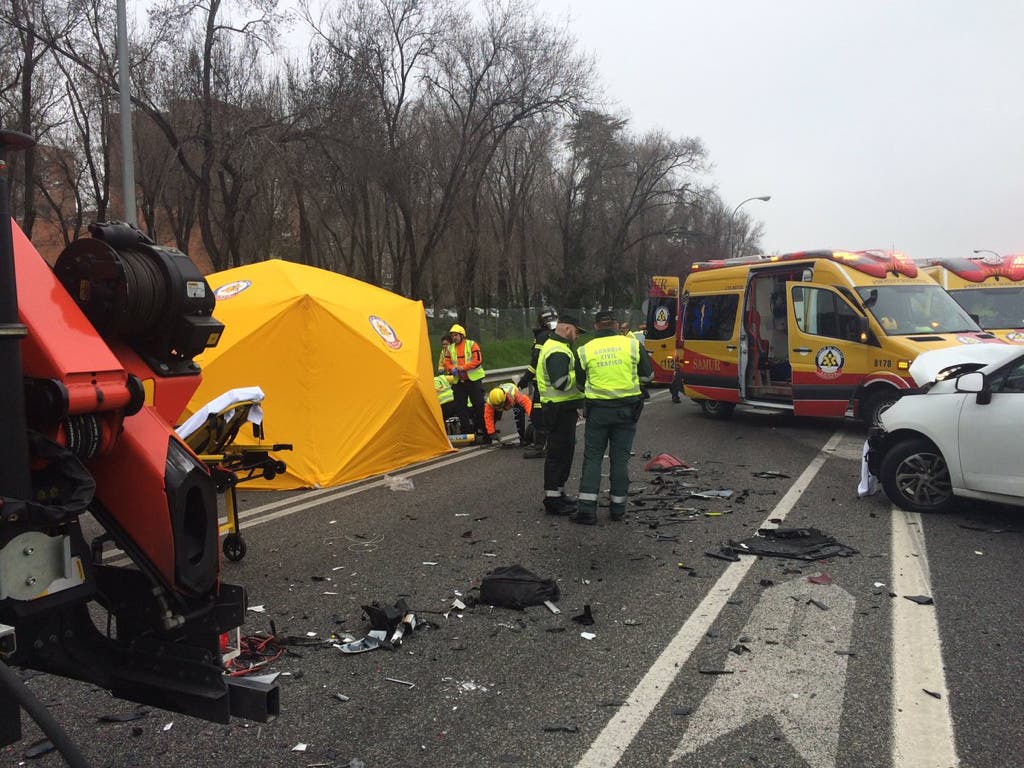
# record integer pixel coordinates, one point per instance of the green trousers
(612, 427)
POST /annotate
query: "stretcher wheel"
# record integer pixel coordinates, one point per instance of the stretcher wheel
(234, 547)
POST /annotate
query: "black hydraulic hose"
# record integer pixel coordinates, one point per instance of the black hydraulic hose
(13, 685)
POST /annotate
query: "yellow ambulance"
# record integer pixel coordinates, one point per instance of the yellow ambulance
(818, 333)
(990, 288)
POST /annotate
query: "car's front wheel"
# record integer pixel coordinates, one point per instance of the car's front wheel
(915, 477)
(717, 409)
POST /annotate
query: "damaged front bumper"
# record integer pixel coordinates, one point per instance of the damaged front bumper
(878, 445)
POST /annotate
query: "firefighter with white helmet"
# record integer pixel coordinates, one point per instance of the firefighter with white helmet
(507, 397)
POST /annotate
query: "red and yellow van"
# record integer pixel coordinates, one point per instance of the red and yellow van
(818, 333)
(990, 288)
(661, 330)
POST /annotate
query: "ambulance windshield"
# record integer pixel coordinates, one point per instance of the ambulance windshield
(903, 310)
(994, 307)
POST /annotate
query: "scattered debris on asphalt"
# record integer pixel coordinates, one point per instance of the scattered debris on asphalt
(552, 607)
(795, 543)
(398, 483)
(724, 553)
(920, 599)
(821, 578)
(586, 618)
(770, 474)
(406, 683)
(561, 728)
(817, 604)
(587, 635)
(515, 587)
(712, 494)
(933, 694)
(664, 462)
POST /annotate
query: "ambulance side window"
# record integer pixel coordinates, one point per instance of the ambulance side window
(710, 318)
(823, 313)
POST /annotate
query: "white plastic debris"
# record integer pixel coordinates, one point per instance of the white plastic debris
(168, 726)
(258, 608)
(587, 635)
(868, 485)
(300, 747)
(398, 483)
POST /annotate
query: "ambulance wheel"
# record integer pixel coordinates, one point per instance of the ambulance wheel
(873, 404)
(915, 477)
(234, 547)
(717, 409)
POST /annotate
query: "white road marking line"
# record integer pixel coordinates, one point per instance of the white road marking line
(922, 726)
(610, 745)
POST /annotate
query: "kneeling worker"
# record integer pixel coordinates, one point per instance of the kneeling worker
(504, 398)
(613, 367)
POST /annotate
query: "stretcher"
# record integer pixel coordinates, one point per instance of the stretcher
(212, 433)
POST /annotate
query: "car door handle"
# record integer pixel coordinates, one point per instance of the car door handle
(802, 350)
(731, 347)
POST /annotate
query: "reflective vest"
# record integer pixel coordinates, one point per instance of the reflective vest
(443, 390)
(610, 363)
(548, 394)
(473, 374)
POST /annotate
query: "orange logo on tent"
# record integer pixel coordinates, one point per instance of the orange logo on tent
(386, 332)
(228, 290)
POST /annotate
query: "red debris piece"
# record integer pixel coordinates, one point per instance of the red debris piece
(821, 578)
(664, 461)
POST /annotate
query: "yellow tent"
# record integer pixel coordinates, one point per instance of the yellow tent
(345, 367)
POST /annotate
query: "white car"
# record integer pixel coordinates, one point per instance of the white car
(961, 434)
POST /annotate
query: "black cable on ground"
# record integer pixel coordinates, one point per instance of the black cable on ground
(13, 685)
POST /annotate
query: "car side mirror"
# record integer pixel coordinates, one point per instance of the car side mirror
(975, 382)
(862, 329)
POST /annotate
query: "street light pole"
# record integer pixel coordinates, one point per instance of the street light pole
(732, 217)
(127, 144)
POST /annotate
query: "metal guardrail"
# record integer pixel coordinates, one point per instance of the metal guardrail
(501, 375)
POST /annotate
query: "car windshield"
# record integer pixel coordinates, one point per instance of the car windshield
(903, 310)
(994, 307)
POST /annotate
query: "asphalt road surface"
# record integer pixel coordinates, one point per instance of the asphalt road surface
(694, 660)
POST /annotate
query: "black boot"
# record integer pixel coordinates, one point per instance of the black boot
(553, 505)
(584, 516)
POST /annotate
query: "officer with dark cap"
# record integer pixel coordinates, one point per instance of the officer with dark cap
(613, 366)
(557, 375)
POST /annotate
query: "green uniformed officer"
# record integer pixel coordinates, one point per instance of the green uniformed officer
(613, 366)
(557, 375)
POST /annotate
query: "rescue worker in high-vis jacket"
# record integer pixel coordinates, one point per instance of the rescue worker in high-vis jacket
(504, 398)
(445, 396)
(464, 361)
(557, 374)
(613, 368)
(546, 321)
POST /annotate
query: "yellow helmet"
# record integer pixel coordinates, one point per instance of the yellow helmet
(496, 397)
(457, 329)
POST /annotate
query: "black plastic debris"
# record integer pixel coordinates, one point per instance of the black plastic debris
(682, 711)
(933, 694)
(586, 618)
(817, 604)
(770, 474)
(712, 494)
(38, 749)
(975, 526)
(715, 671)
(723, 553)
(561, 728)
(515, 587)
(795, 543)
(739, 649)
(920, 599)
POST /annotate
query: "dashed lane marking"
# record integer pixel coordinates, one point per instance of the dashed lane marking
(610, 745)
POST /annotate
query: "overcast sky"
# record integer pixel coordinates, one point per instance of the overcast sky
(871, 123)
